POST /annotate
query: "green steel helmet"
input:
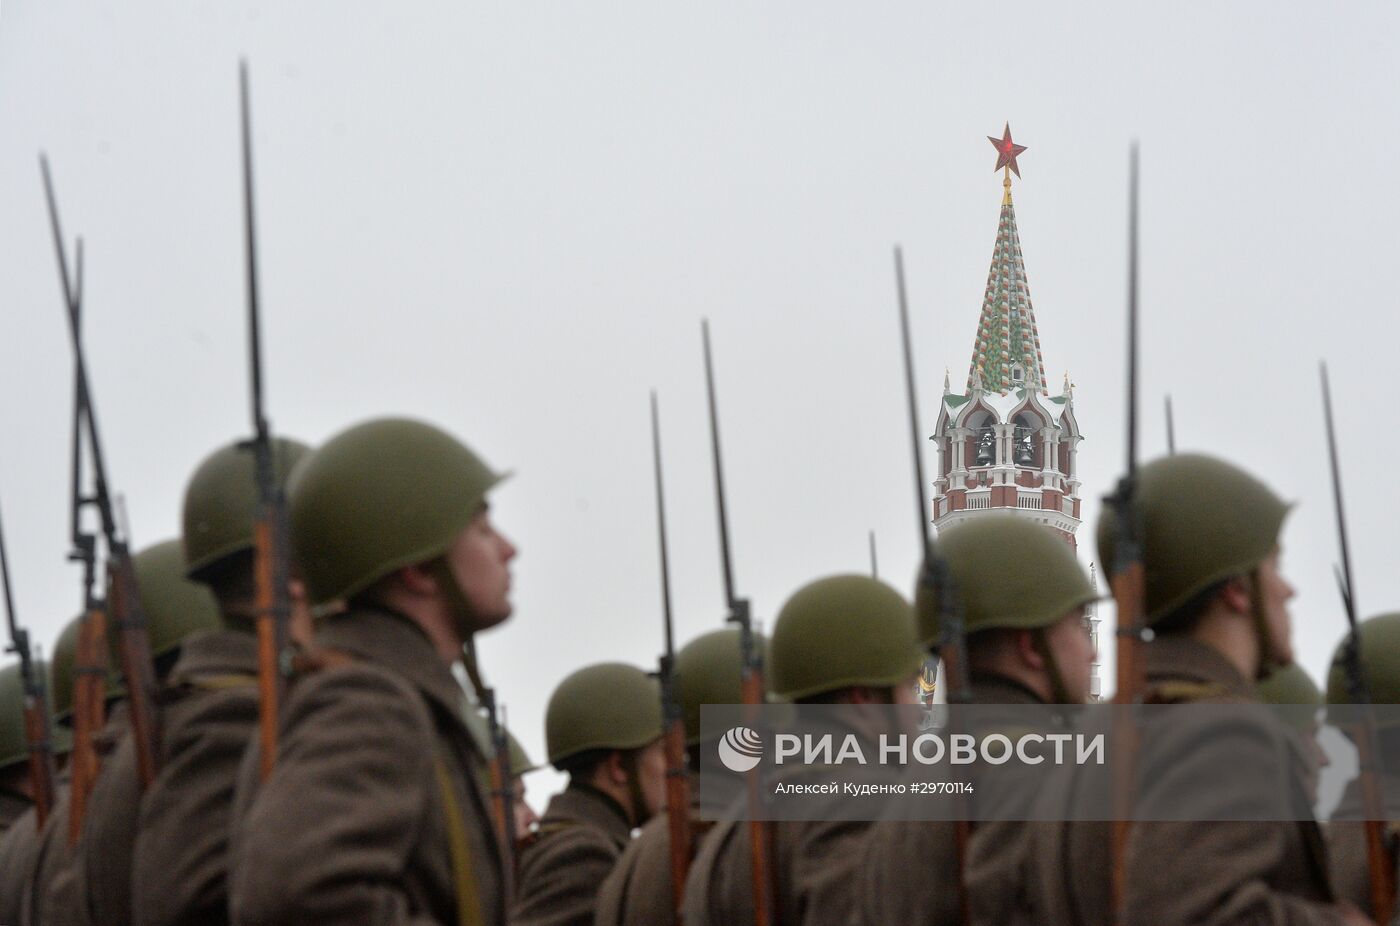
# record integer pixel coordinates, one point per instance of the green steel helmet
(221, 502)
(1290, 684)
(709, 670)
(520, 763)
(175, 607)
(1008, 573)
(62, 673)
(842, 632)
(1203, 521)
(1380, 662)
(610, 705)
(377, 497)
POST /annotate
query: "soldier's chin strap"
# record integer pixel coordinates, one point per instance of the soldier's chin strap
(464, 617)
(1041, 642)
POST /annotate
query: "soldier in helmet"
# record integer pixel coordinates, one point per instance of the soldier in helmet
(1022, 594)
(76, 885)
(19, 841)
(709, 670)
(526, 820)
(1217, 601)
(1346, 835)
(374, 811)
(16, 790)
(177, 853)
(603, 728)
(841, 640)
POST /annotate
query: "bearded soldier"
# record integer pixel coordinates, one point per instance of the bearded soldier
(603, 728)
(374, 811)
(1027, 644)
(842, 640)
(179, 857)
(1217, 601)
(1379, 643)
(91, 884)
(638, 892)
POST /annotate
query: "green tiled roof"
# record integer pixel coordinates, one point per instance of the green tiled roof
(1006, 331)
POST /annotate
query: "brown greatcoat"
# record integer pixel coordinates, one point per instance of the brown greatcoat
(638, 891)
(582, 834)
(179, 869)
(1215, 873)
(50, 897)
(19, 846)
(374, 795)
(908, 872)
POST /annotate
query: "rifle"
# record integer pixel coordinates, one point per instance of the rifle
(124, 598)
(874, 563)
(952, 648)
(502, 782)
(764, 871)
(1379, 860)
(36, 707)
(271, 570)
(677, 770)
(1127, 579)
(90, 656)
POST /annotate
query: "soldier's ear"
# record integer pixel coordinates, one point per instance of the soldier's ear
(1235, 595)
(1026, 652)
(417, 580)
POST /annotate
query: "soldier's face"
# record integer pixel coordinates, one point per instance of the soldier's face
(651, 769)
(480, 557)
(1069, 642)
(525, 816)
(1275, 593)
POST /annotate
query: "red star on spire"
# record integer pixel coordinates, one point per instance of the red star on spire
(1007, 150)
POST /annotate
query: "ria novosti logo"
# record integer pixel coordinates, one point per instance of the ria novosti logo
(740, 749)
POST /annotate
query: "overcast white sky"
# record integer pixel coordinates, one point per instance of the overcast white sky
(508, 219)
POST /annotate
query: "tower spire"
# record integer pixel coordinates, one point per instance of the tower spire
(1006, 354)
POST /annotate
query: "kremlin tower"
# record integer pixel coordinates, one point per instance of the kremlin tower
(1004, 443)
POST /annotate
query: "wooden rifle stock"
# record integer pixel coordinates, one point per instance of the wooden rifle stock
(1128, 592)
(89, 715)
(134, 652)
(678, 811)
